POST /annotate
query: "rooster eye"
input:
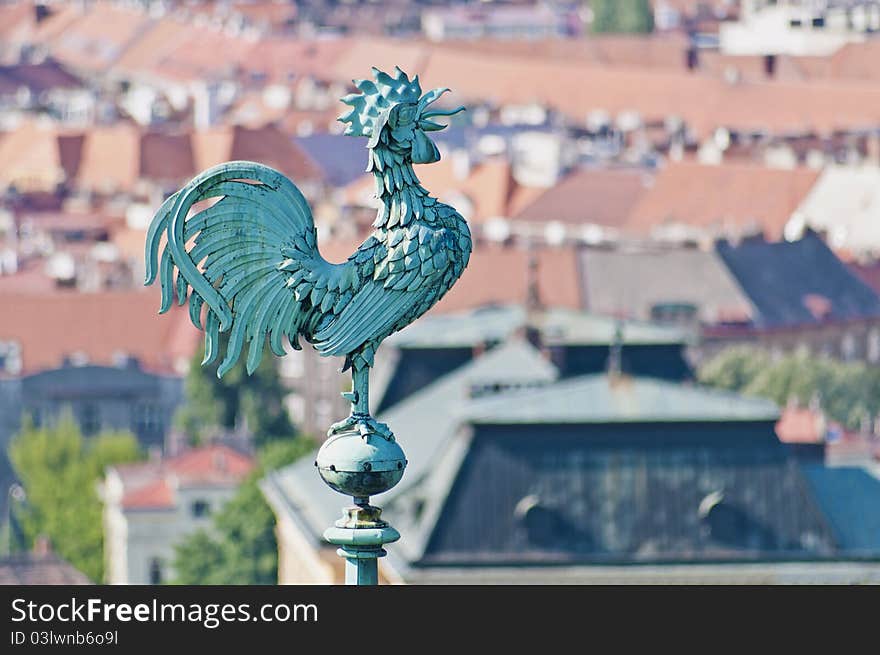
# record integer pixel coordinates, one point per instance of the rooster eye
(406, 114)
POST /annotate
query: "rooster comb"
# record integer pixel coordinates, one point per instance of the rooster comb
(377, 95)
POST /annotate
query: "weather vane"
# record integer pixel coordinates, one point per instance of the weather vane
(252, 260)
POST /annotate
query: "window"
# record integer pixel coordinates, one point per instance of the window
(200, 508)
(874, 345)
(154, 573)
(90, 418)
(146, 419)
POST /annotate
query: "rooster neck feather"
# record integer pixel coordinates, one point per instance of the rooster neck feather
(401, 196)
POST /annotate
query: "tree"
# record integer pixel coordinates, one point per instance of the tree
(59, 470)
(849, 392)
(241, 547)
(235, 401)
(622, 16)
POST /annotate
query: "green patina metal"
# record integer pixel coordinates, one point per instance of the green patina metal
(250, 264)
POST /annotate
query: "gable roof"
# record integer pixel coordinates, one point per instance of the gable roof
(153, 485)
(166, 157)
(500, 275)
(731, 199)
(793, 283)
(589, 196)
(51, 326)
(30, 157)
(604, 399)
(497, 323)
(38, 78)
(110, 159)
(630, 282)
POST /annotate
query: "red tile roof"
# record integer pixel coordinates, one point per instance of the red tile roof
(601, 197)
(727, 197)
(153, 485)
(51, 326)
(500, 275)
(155, 495)
(800, 425)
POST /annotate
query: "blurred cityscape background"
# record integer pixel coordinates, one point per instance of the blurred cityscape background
(662, 364)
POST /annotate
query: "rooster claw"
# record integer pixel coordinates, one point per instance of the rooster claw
(365, 425)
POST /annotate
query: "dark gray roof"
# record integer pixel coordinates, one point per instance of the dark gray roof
(424, 423)
(37, 77)
(792, 283)
(557, 326)
(631, 467)
(341, 158)
(634, 494)
(601, 399)
(631, 282)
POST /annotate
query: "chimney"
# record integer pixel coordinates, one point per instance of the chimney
(691, 58)
(42, 547)
(615, 352)
(41, 12)
(770, 66)
(220, 463)
(534, 307)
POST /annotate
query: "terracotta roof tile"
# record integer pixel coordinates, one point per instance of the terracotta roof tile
(94, 36)
(216, 461)
(601, 197)
(498, 275)
(384, 54)
(733, 198)
(110, 159)
(155, 495)
(167, 157)
(211, 147)
(51, 326)
(30, 157)
(268, 145)
(153, 484)
(656, 94)
(800, 425)
(857, 61)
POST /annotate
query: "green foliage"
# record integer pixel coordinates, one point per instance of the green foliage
(849, 392)
(241, 547)
(622, 16)
(213, 405)
(60, 470)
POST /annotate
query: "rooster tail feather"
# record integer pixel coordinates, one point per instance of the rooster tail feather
(228, 257)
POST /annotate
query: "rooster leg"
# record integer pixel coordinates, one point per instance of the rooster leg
(360, 418)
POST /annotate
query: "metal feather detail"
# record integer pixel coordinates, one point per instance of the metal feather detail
(250, 263)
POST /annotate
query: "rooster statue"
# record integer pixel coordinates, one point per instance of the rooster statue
(252, 258)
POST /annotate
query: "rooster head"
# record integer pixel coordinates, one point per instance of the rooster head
(392, 110)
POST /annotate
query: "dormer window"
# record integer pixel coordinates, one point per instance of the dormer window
(200, 508)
